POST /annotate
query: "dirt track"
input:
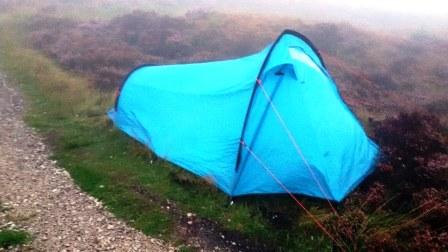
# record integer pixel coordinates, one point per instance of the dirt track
(38, 196)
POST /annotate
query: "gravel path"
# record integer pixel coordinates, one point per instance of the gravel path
(38, 196)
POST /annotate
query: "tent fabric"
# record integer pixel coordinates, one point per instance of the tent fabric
(195, 115)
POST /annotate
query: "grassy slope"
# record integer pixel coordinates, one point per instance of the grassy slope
(12, 238)
(105, 164)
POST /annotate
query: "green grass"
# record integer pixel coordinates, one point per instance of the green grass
(12, 238)
(113, 168)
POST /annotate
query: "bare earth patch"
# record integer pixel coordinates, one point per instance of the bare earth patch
(41, 198)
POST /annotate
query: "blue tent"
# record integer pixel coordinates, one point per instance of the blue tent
(252, 125)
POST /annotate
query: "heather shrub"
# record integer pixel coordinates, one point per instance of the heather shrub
(349, 228)
(428, 240)
(107, 51)
(374, 196)
(433, 206)
(381, 242)
(87, 49)
(414, 148)
(404, 204)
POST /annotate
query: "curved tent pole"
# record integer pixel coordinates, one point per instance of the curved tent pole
(120, 88)
(256, 84)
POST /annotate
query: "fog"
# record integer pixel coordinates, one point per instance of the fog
(406, 16)
(407, 7)
(398, 15)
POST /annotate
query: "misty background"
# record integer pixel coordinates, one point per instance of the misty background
(389, 61)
